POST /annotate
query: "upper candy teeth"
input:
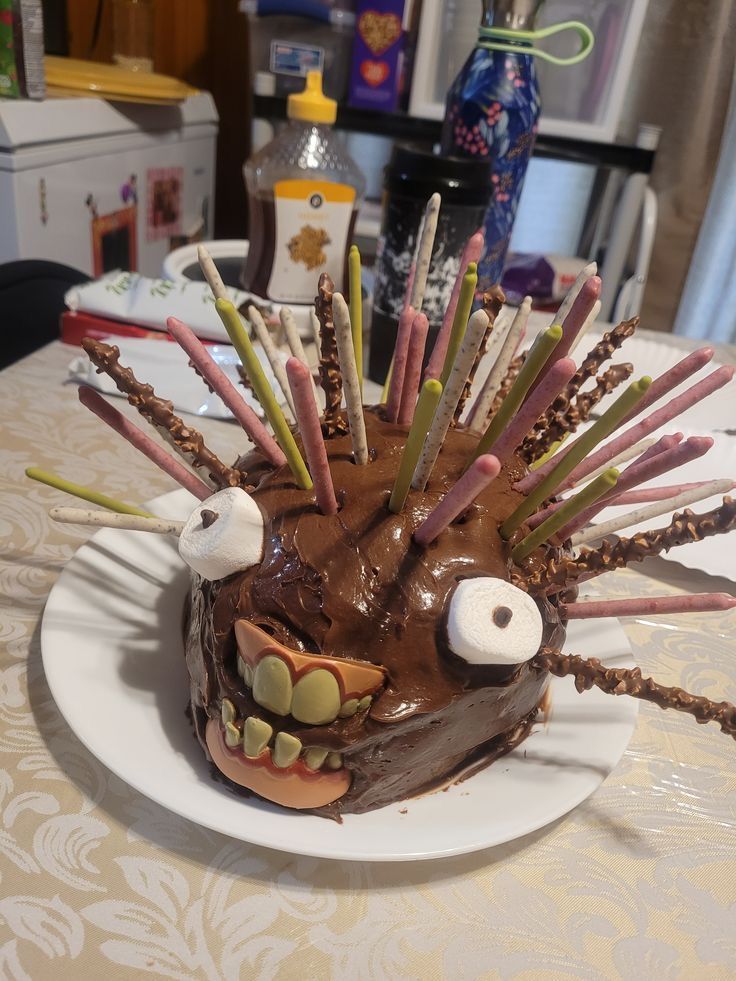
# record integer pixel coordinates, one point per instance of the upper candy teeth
(272, 686)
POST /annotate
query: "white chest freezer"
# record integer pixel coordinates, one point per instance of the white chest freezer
(101, 185)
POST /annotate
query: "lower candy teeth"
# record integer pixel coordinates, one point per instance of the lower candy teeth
(256, 735)
(315, 757)
(286, 750)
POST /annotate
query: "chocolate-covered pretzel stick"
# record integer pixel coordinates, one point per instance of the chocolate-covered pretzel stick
(186, 440)
(553, 427)
(566, 415)
(602, 352)
(685, 527)
(329, 364)
(628, 681)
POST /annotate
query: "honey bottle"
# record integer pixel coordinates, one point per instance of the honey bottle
(304, 191)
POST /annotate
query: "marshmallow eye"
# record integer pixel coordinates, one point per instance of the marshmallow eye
(223, 535)
(490, 621)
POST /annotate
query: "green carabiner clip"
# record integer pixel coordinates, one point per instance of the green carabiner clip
(498, 38)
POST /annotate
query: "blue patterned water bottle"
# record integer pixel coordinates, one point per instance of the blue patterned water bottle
(493, 107)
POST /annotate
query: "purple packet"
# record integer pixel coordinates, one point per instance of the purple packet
(377, 49)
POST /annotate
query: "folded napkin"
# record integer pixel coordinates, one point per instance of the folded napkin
(137, 299)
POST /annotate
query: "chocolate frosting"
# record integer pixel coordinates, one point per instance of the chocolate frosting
(159, 412)
(355, 585)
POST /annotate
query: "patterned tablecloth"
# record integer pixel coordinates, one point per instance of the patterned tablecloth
(96, 881)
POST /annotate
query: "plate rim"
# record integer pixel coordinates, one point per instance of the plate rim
(334, 852)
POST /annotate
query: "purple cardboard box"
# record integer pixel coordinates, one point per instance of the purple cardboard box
(377, 48)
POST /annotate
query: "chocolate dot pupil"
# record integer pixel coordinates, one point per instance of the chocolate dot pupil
(502, 616)
(209, 517)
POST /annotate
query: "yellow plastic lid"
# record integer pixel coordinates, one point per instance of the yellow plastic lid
(311, 104)
(74, 77)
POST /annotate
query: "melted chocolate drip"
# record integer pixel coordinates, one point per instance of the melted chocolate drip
(628, 681)
(329, 363)
(561, 571)
(159, 412)
(493, 300)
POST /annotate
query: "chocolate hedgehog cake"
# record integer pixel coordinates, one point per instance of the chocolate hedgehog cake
(324, 675)
(379, 594)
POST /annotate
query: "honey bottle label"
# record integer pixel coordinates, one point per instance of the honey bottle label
(313, 220)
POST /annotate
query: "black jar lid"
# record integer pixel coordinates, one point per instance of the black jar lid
(419, 173)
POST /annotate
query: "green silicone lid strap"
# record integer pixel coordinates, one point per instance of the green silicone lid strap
(499, 38)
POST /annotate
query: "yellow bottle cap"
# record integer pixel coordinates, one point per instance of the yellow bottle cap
(311, 104)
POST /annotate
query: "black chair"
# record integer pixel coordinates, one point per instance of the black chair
(31, 302)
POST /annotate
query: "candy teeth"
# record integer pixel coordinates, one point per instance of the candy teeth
(349, 708)
(354, 679)
(272, 687)
(227, 710)
(295, 785)
(314, 757)
(229, 542)
(490, 621)
(316, 698)
(256, 736)
(232, 735)
(286, 750)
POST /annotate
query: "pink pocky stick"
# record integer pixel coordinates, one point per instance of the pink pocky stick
(478, 476)
(572, 325)
(471, 253)
(555, 380)
(307, 418)
(221, 384)
(638, 473)
(413, 372)
(673, 377)
(660, 417)
(648, 606)
(647, 495)
(401, 352)
(662, 444)
(136, 437)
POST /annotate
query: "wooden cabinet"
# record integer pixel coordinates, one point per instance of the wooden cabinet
(205, 43)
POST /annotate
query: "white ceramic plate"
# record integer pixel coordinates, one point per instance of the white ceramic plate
(712, 555)
(112, 652)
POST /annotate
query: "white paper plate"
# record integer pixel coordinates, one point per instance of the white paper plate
(165, 366)
(653, 357)
(713, 555)
(112, 652)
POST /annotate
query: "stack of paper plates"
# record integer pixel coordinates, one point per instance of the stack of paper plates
(74, 77)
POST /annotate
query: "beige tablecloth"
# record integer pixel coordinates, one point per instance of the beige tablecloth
(96, 881)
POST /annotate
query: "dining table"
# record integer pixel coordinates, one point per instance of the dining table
(98, 881)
